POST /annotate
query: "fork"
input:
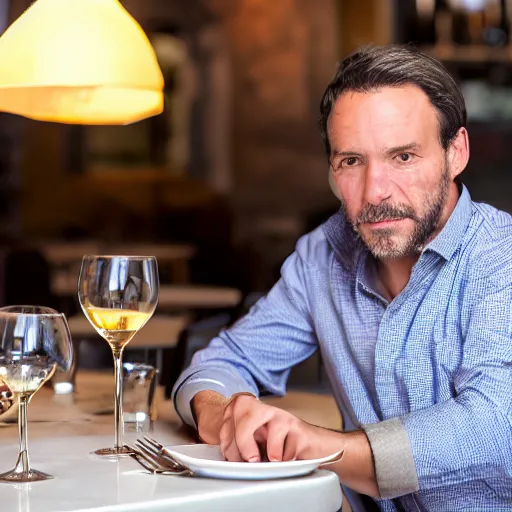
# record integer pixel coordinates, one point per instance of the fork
(159, 450)
(154, 443)
(156, 456)
(153, 466)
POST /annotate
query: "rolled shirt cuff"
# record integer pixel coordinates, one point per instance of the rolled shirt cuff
(392, 454)
(221, 381)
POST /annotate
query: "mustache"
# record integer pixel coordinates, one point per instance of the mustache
(382, 212)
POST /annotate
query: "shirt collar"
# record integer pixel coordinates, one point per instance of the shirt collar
(450, 237)
(347, 245)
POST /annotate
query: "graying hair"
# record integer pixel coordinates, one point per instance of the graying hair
(373, 67)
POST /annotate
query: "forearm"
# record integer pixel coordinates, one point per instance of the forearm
(208, 408)
(356, 469)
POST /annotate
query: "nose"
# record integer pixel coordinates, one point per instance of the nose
(377, 186)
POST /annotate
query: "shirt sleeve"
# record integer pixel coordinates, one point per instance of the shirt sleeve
(468, 437)
(259, 351)
(392, 457)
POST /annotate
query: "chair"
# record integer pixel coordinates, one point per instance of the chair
(25, 278)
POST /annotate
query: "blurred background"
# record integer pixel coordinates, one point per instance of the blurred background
(227, 178)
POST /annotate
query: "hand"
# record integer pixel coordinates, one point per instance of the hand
(245, 429)
(252, 431)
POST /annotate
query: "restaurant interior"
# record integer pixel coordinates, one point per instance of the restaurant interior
(219, 185)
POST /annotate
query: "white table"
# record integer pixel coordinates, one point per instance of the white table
(86, 483)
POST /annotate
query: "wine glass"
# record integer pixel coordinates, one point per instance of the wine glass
(35, 342)
(118, 295)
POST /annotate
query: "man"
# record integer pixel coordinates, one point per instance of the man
(406, 291)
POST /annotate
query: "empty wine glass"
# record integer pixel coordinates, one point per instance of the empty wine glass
(118, 295)
(35, 343)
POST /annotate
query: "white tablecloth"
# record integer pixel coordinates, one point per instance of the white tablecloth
(62, 437)
(85, 482)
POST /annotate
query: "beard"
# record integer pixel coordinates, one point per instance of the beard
(386, 243)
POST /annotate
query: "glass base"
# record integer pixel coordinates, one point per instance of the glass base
(113, 452)
(32, 475)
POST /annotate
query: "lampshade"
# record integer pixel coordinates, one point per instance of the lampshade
(79, 61)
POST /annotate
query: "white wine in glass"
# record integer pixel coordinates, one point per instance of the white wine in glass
(117, 326)
(118, 295)
(35, 342)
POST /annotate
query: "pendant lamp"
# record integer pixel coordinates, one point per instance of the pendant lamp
(79, 62)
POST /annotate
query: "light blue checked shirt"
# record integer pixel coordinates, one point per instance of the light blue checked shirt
(427, 376)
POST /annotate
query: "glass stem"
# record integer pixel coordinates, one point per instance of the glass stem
(118, 402)
(23, 464)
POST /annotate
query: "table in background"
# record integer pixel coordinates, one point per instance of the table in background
(170, 297)
(194, 297)
(86, 483)
(65, 259)
(63, 254)
(173, 257)
(161, 332)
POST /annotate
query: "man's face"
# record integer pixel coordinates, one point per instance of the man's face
(389, 168)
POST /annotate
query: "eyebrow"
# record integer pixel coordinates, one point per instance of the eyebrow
(389, 151)
(345, 153)
(400, 149)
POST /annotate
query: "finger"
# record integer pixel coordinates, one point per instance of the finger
(277, 432)
(228, 445)
(261, 434)
(247, 447)
(232, 453)
(260, 437)
(226, 435)
(291, 445)
(228, 412)
(246, 426)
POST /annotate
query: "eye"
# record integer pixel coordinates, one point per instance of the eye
(341, 162)
(404, 157)
(349, 162)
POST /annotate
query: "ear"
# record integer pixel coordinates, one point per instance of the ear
(458, 153)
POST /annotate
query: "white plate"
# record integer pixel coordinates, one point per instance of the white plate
(207, 460)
